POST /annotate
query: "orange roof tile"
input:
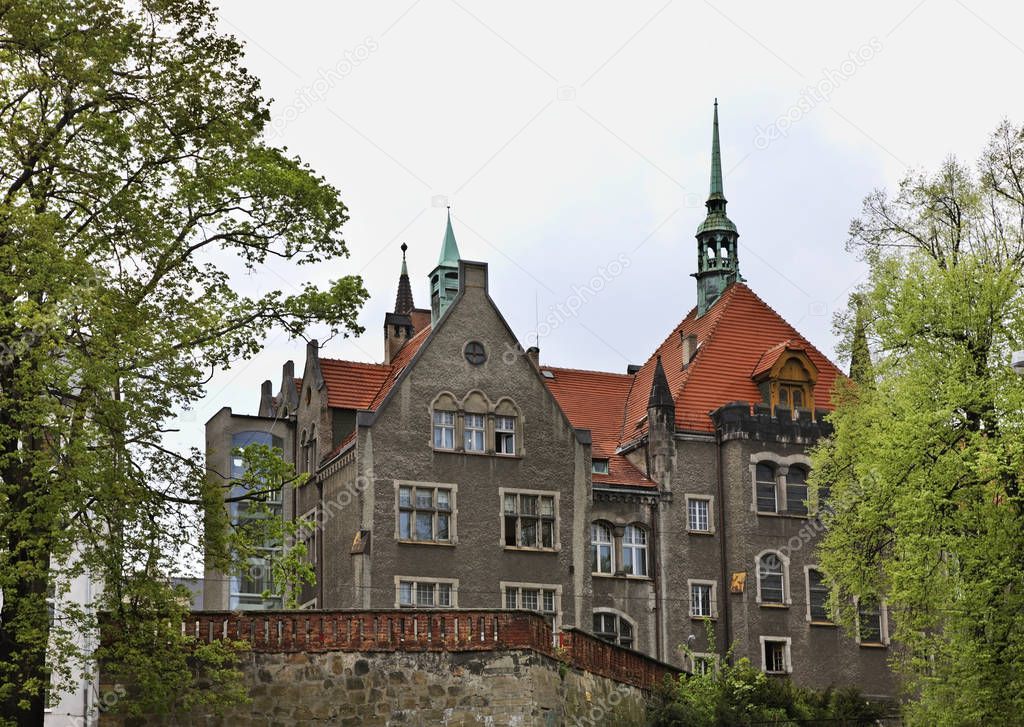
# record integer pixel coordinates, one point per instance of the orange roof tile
(595, 400)
(351, 384)
(400, 361)
(734, 335)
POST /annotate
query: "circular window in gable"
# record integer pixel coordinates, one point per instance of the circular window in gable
(475, 353)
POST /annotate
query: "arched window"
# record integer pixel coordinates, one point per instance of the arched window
(634, 551)
(767, 499)
(614, 627)
(796, 491)
(443, 422)
(304, 449)
(771, 579)
(313, 461)
(602, 548)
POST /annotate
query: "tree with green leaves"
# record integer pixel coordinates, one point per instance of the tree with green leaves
(926, 464)
(134, 180)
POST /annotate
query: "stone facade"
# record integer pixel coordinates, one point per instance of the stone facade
(366, 669)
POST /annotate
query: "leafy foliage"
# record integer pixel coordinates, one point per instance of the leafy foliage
(134, 184)
(925, 466)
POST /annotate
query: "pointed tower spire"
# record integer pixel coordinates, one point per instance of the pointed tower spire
(444, 279)
(661, 394)
(717, 191)
(403, 301)
(718, 262)
(860, 354)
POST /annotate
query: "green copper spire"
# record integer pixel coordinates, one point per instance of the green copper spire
(717, 239)
(717, 191)
(444, 280)
(449, 248)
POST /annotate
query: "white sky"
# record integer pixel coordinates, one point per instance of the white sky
(566, 135)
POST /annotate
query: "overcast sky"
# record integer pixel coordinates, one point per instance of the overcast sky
(573, 140)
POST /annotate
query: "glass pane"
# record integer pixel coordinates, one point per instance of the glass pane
(405, 496)
(403, 525)
(510, 529)
(511, 597)
(547, 506)
(444, 500)
(424, 526)
(510, 503)
(765, 473)
(530, 600)
(766, 497)
(405, 593)
(797, 397)
(549, 601)
(547, 539)
(424, 498)
(528, 532)
(444, 594)
(796, 497)
(424, 594)
(528, 504)
(442, 527)
(605, 563)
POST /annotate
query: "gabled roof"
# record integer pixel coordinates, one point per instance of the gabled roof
(735, 338)
(773, 354)
(362, 386)
(595, 400)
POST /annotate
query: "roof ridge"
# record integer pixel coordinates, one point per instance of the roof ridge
(368, 364)
(587, 371)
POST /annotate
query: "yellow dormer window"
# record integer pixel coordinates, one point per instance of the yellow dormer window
(786, 378)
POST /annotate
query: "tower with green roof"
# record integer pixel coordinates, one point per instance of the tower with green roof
(717, 239)
(444, 279)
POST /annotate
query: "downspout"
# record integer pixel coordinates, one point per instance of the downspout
(656, 569)
(722, 530)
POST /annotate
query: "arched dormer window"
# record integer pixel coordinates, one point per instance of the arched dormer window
(474, 422)
(786, 377)
(474, 425)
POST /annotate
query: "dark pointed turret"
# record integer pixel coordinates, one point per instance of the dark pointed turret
(403, 301)
(661, 395)
(717, 238)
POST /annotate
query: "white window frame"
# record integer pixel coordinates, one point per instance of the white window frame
(596, 545)
(417, 581)
(781, 465)
(556, 542)
(502, 436)
(643, 547)
(710, 500)
(469, 432)
(713, 660)
(556, 615)
(883, 624)
(443, 426)
(787, 595)
(619, 618)
(453, 498)
(807, 595)
(600, 469)
(787, 653)
(713, 603)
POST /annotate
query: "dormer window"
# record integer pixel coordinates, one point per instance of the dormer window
(599, 467)
(786, 377)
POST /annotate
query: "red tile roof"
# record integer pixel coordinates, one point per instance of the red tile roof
(735, 336)
(351, 384)
(595, 400)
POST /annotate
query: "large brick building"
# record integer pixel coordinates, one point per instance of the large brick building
(640, 506)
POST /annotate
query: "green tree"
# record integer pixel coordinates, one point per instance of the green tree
(134, 180)
(925, 465)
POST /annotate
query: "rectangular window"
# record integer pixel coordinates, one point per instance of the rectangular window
(701, 604)
(796, 492)
(528, 520)
(817, 597)
(704, 663)
(444, 430)
(765, 484)
(505, 435)
(531, 598)
(474, 432)
(698, 515)
(775, 661)
(415, 593)
(599, 466)
(424, 513)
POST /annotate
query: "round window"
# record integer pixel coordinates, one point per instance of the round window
(475, 353)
